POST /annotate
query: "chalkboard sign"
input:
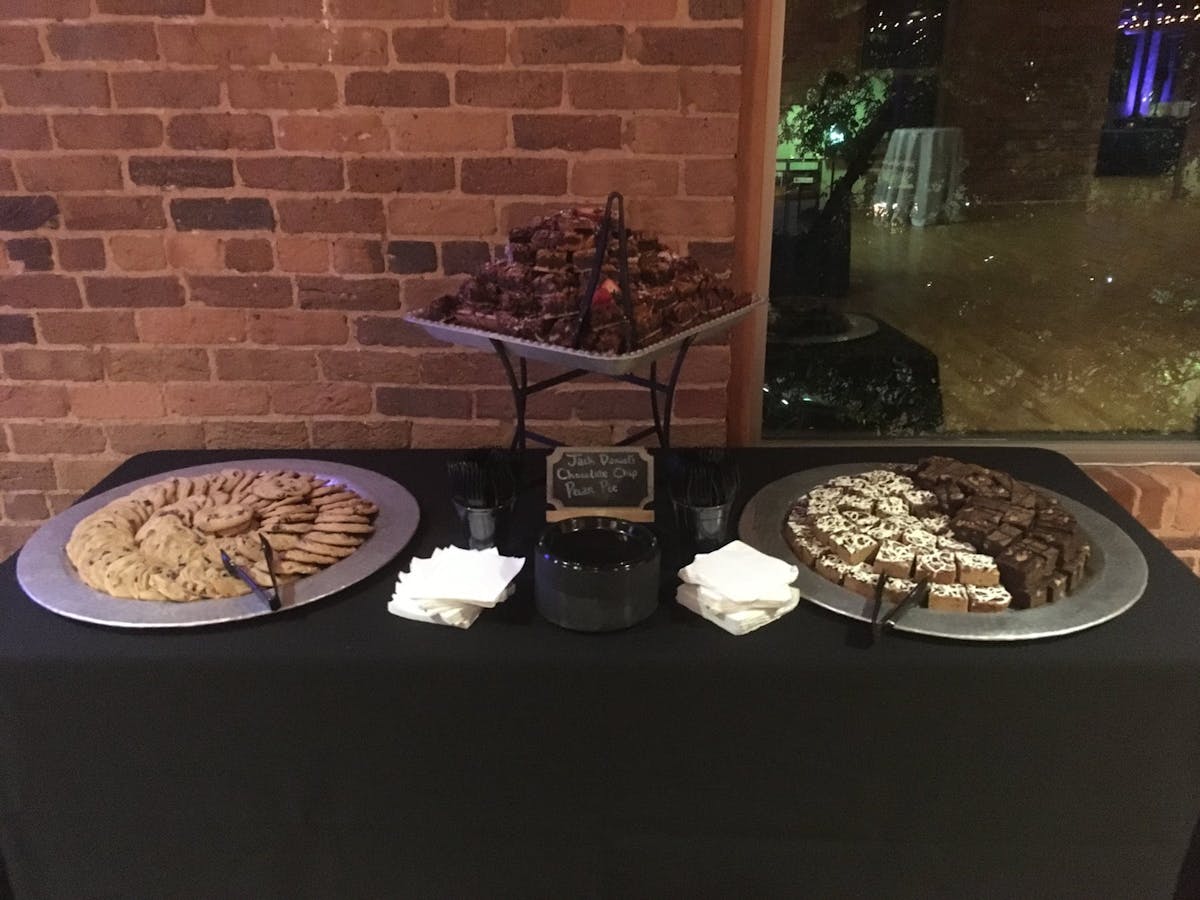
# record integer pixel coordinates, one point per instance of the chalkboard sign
(600, 481)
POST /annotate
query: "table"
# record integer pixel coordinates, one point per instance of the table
(336, 750)
(921, 179)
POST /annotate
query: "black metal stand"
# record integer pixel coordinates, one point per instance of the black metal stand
(522, 390)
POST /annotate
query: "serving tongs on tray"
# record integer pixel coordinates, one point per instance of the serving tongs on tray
(915, 597)
(602, 239)
(272, 599)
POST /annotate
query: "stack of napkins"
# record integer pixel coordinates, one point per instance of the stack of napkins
(738, 588)
(453, 586)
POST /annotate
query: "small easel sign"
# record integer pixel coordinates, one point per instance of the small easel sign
(600, 481)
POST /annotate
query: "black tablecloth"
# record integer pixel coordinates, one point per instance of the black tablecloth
(336, 750)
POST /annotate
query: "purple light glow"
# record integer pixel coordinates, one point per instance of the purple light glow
(1135, 75)
(1151, 69)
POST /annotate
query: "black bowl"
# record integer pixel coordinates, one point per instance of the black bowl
(596, 574)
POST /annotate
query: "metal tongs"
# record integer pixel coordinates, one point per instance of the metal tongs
(911, 599)
(272, 599)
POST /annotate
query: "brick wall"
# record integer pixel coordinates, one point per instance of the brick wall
(214, 212)
(1165, 499)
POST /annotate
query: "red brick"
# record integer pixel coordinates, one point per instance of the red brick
(321, 399)
(514, 175)
(133, 292)
(466, 216)
(715, 9)
(139, 438)
(70, 173)
(152, 7)
(632, 177)
(109, 41)
(40, 88)
(360, 435)
(91, 327)
(33, 254)
(337, 46)
(61, 501)
(1117, 487)
(53, 365)
(420, 292)
(19, 46)
(291, 173)
(346, 293)
(404, 175)
(292, 9)
(24, 213)
(45, 9)
(710, 177)
(677, 135)
(603, 89)
(173, 90)
(13, 537)
(425, 130)
(123, 213)
(55, 437)
(241, 290)
(367, 366)
(128, 400)
(703, 218)
(545, 132)
(700, 403)
(261, 89)
(29, 507)
(297, 254)
(411, 257)
(191, 325)
(81, 254)
(506, 9)
(614, 403)
(710, 91)
(508, 89)
(1184, 485)
(216, 45)
(265, 364)
(8, 180)
(716, 256)
(497, 403)
(467, 257)
(568, 44)
(424, 402)
(16, 328)
(155, 364)
(389, 9)
(195, 252)
(252, 255)
(181, 171)
(622, 10)
(513, 215)
(294, 326)
(32, 401)
(255, 434)
(357, 256)
(390, 331)
(26, 476)
(225, 399)
(39, 291)
(91, 132)
(82, 474)
(1153, 498)
(687, 46)
(343, 133)
(219, 214)
(410, 89)
(137, 252)
(354, 215)
(220, 131)
(429, 435)
(21, 132)
(461, 367)
(450, 44)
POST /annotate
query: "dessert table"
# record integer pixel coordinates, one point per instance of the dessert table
(336, 750)
(920, 182)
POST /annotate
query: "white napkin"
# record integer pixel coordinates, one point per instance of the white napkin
(453, 586)
(742, 574)
(736, 621)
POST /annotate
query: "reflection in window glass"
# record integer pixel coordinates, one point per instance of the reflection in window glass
(987, 219)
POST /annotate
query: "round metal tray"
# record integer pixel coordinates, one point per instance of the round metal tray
(1116, 573)
(50, 580)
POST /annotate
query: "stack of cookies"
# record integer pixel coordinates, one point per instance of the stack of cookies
(164, 540)
(940, 521)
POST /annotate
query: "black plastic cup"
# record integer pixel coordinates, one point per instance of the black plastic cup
(483, 527)
(595, 573)
(704, 528)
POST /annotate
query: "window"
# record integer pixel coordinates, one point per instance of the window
(986, 220)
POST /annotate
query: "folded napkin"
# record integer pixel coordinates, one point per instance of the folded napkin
(453, 586)
(738, 588)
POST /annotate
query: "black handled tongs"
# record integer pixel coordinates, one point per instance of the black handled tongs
(602, 236)
(913, 598)
(272, 599)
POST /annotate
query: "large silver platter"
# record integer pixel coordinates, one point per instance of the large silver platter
(1116, 572)
(48, 577)
(601, 363)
